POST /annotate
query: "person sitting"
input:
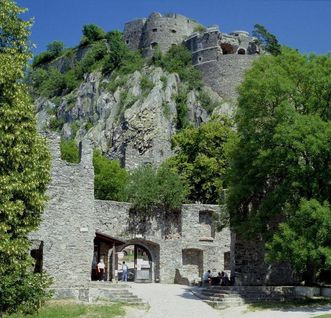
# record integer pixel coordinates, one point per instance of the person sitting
(206, 278)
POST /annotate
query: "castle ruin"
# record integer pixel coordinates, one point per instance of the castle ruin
(222, 58)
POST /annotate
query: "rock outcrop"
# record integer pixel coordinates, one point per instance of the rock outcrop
(130, 118)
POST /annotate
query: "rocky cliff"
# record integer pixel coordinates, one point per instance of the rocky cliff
(131, 118)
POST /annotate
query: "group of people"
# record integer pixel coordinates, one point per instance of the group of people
(98, 271)
(222, 279)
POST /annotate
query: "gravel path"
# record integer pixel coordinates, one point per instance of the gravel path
(298, 312)
(176, 301)
(172, 301)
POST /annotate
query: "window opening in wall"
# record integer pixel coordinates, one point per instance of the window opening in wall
(227, 48)
(173, 31)
(154, 45)
(127, 41)
(200, 59)
(154, 30)
(37, 254)
(206, 224)
(192, 259)
(241, 51)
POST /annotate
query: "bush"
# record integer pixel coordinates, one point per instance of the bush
(199, 28)
(53, 85)
(109, 178)
(56, 124)
(179, 60)
(182, 109)
(69, 151)
(206, 102)
(146, 84)
(54, 50)
(91, 59)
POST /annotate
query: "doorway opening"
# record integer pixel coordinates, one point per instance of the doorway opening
(139, 262)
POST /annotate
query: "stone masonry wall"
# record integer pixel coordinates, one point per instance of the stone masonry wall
(168, 238)
(250, 268)
(67, 228)
(225, 75)
(158, 31)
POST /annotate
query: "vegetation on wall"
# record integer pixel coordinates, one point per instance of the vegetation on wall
(24, 170)
(106, 52)
(69, 151)
(281, 165)
(179, 60)
(150, 189)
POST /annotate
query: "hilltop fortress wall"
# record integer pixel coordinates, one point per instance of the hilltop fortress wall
(222, 58)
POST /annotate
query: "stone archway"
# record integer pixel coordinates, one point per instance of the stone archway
(143, 258)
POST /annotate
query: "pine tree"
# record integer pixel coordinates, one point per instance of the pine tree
(24, 169)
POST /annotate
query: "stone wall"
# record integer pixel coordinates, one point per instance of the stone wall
(225, 75)
(67, 228)
(167, 238)
(158, 31)
(250, 268)
(68, 61)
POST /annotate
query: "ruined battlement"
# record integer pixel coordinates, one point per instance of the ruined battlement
(211, 44)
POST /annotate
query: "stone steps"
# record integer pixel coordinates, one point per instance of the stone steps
(115, 292)
(220, 297)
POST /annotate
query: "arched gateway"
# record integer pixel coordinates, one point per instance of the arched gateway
(141, 256)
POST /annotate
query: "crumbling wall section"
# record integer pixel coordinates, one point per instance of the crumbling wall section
(67, 228)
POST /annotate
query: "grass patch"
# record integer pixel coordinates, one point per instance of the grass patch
(56, 309)
(323, 316)
(290, 304)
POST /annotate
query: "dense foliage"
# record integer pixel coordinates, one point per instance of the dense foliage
(281, 165)
(24, 169)
(201, 158)
(110, 178)
(149, 189)
(54, 50)
(92, 33)
(105, 52)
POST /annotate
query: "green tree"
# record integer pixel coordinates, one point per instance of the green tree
(304, 238)
(267, 40)
(55, 48)
(120, 58)
(283, 154)
(110, 178)
(149, 189)
(24, 169)
(201, 158)
(92, 33)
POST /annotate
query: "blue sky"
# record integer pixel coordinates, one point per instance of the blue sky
(304, 25)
